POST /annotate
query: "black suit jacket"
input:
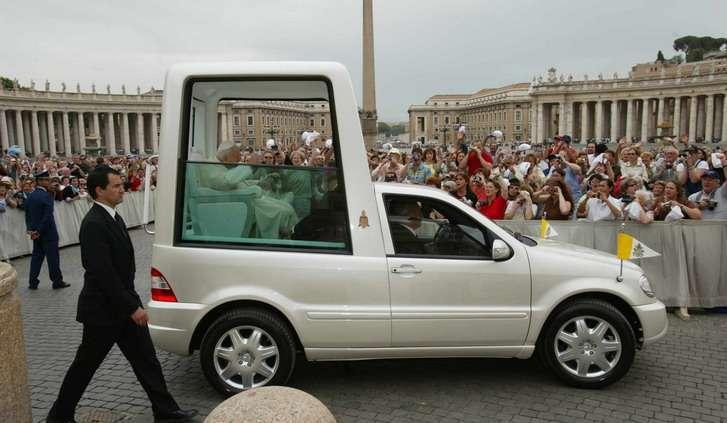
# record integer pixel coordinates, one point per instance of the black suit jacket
(108, 296)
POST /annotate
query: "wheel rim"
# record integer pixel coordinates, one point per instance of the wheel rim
(246, 357)
(587, 347)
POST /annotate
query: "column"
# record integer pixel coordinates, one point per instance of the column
(223, 122)
(677, 117)
(19, 133)
(629, 119)
(51, 133)
(599, 121)
(110, 135)
(660, 115)
(533, 124)
(724, 118)
(4, 138)
(614, 121)
(693, 119)
(125, 133)
(96, 129)
(709, 128)
(81, 133)
(645, 119)
(541, 123)
(140, 133)
(36, 132)
(67, 150)
(584, 122)
(154, 137)
(569, 119)
(561, 118)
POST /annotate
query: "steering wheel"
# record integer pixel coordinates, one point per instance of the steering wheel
(447, 239)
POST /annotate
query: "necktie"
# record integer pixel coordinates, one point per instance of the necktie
(121, 223)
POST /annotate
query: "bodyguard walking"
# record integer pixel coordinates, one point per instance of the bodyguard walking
(110, 309)
(41, 227)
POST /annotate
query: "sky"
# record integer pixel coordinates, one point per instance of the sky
(422, 47)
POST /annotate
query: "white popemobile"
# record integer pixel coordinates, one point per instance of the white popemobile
(255, 264)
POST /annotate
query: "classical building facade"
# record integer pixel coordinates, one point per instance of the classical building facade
(252, 123)
(506, 109)
(62, 123)
(655, 99)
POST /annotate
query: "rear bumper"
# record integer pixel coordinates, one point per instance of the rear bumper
(172, 325)
(653, 321)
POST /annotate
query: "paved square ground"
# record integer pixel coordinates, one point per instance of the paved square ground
(682, 378)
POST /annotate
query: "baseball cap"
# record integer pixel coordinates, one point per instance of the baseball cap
(710, 174)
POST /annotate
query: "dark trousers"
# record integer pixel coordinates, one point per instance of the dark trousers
(135, 343)
(45, 249)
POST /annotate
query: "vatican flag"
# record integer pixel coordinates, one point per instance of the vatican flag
(546, 231)
(628, 247)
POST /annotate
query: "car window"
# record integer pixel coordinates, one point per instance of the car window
(259, 170)
(427, 227)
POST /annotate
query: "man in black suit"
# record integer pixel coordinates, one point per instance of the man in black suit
(41, 227)
(110, 309)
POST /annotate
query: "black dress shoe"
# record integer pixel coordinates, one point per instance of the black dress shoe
(51, 419)
(176, 416)
(61, 285)
(33, 287)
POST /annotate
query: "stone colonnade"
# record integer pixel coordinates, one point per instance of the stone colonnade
(63, 123)
(700, 117)
(62, 133)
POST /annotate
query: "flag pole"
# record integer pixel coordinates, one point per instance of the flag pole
(620, 277)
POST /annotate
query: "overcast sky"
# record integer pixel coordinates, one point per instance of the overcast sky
(422, 47)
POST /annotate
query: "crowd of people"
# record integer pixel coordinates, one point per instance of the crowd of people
(665, 181)
(18, 175)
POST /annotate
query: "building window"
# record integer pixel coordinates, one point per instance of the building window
(518, 115)
(250, 121)
(323, 122)
(237, 132)
(436, 120)
(236, 120)
(446, 120)
(420, 123)
(517, 127)
(312, 122)
(250, 132)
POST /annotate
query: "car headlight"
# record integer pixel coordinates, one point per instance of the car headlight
(646, 286)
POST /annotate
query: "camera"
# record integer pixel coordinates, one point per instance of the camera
(627, 199)
(711, 204)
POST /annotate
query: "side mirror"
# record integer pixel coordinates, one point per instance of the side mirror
(500, 250)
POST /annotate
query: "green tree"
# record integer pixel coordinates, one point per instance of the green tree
(695, 47)
(384, 128)
(398, 129)
(660, 56)
(6, 83)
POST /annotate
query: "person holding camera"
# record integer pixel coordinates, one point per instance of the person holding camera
(674, 206)
(390, 169)
(712, 199)
(520, 204)
(600, 205)
(633, 202)
(555, 199)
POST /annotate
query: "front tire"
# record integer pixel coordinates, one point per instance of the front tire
(588, 344)
(246, 349)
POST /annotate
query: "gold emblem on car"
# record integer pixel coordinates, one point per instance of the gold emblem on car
(363, 221)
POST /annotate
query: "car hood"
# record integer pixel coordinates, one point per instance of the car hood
(568, 251)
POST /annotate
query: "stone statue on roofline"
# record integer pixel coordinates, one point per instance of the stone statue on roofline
(32, 85)
(63, 86)
(585, 77)
(551, 75)
(78, 87)
(93, 88)
(138, 90)
(600, 77)
(108, 88)
(47, 85)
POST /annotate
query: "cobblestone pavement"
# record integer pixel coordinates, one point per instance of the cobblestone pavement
(682, 378)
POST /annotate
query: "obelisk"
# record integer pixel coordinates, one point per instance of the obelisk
(368, 112)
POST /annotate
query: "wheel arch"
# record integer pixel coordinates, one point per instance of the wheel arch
(209, 318)
(616, 301)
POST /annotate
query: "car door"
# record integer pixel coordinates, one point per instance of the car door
(446, 291)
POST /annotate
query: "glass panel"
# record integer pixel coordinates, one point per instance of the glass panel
(426, 227)
(264, 205)
(276, 184)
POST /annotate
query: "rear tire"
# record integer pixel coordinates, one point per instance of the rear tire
(588, 344)
(247, 348)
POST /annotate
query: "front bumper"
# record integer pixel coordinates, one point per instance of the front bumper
(653, 321)
(172, 325)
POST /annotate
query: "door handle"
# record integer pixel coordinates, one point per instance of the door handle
(405, 269)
